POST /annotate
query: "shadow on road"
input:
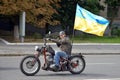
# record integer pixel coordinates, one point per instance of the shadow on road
(73, 75)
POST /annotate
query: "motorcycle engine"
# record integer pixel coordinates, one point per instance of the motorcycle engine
(49, 57)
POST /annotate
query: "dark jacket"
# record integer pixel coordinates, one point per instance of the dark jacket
(64, 44)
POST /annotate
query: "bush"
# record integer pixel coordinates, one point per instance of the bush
(37, 36)
(115, 31)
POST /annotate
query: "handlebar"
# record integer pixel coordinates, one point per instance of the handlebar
(45, 40)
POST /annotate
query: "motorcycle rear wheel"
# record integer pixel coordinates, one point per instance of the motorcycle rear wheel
(30, 65)
(76, 65)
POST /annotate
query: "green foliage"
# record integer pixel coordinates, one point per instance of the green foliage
(66, 12)
(112, 5)
(112, 12)
(37, 36)
(93, 6)
(115, 31)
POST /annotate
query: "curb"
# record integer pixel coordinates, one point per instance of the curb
(72, 54)
(13, 55)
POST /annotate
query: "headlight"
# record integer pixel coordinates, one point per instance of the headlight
(36, 48)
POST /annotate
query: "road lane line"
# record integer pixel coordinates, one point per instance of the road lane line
(101, 63)
(104, 79)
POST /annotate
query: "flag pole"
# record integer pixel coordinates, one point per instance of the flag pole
(73, 36)
(73, 32)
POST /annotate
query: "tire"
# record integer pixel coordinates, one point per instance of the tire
(30, 65)
(76, 64)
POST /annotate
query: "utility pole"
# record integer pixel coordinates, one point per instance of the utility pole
(22, 26)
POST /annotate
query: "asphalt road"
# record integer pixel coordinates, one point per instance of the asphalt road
(98, 67)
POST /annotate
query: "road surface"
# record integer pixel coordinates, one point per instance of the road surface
(98, 67)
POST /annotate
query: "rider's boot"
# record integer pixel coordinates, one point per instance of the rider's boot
(44, 67)
(55, 67)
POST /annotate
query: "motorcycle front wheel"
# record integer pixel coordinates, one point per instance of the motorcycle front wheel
(30, 65)
(76, 64)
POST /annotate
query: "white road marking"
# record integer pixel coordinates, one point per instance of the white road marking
(101, 63)
(104, 79)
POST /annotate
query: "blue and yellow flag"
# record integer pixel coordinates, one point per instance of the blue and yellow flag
(89, 22)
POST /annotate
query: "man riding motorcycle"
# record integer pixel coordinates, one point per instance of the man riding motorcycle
(65, 49)
(63, 60)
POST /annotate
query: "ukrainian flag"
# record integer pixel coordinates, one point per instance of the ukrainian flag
(89, 22)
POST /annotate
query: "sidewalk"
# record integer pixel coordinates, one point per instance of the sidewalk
(18, 49)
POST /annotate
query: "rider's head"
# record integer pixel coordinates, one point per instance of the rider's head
(62, 34)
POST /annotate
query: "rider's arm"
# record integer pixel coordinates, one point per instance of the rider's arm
(66, 39)
(56, 41)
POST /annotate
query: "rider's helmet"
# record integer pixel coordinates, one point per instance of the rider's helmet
(61, 32)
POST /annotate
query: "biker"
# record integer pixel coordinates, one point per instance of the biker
(65, 49)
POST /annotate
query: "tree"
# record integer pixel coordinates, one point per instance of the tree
(113, 6)
(67, 10)
(38, 12)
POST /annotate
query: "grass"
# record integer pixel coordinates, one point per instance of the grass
(77, 39)
(97, 39)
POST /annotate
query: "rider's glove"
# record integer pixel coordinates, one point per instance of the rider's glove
(48, 39)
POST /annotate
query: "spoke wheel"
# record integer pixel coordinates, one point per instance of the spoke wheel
(76, 65)
(30, 65)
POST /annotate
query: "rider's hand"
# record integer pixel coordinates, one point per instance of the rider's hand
(48, 39)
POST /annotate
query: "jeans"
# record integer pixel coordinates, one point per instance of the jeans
(58, 55)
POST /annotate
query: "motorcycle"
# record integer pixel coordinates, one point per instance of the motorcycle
(31, 64)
